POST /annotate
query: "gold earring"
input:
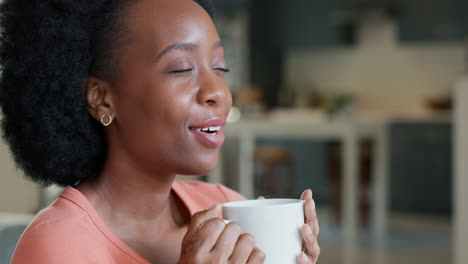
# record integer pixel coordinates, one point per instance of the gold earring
(109, 119)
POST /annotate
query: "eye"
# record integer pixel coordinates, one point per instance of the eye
(182, 70)
(221, 71)
(225, 70)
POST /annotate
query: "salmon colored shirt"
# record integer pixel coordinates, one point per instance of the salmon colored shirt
(70, 230)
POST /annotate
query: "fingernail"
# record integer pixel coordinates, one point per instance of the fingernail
(308, 230)
(304, 257)
(313, 204)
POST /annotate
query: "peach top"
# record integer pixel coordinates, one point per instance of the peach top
(70, 230)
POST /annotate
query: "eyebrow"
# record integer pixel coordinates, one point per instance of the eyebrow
(218, 44)
(187, 46)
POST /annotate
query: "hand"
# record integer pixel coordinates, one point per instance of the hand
(210, 240)
(309, 231)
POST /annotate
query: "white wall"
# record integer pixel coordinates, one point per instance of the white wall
(17, 195)
(460, 183)
(384, 74)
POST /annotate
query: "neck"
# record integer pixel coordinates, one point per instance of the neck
(124, 192)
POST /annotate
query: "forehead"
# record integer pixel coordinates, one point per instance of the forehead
(168, 21)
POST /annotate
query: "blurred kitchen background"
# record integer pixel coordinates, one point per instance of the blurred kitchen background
(361, 101)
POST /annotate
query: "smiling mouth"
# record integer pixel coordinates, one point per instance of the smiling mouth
(210, 133)
(208, 130)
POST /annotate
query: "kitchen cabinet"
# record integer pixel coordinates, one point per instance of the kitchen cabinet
(421, 167)
(309, 24)
(296, 23)
(432, 20)
(299, 23)
(315, 24)
(226, 6)
(318, 24)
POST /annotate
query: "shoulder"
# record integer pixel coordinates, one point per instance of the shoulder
(61, 233)
(58, 240)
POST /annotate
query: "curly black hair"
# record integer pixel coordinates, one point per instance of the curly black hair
(48, 49)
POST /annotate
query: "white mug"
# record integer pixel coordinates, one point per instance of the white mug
(274, 223)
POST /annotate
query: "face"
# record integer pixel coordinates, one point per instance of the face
(170, 88)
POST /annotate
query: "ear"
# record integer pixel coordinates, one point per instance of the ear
(99, 97)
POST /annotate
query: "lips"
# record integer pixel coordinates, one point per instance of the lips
(210, 133)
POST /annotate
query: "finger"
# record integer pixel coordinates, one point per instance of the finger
(244, 247)
(261, 198)
(205, 238)
(311, 216)
(304, 259)
(307, 194)
(201, 217)
(310, 240)
(315, 254)
(227, 240)
(256, 257)
(309, 210)
(315, 227)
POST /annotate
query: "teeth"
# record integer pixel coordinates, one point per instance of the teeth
(213, 130)
(208, 129)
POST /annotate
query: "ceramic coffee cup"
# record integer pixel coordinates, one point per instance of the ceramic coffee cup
(274, 223)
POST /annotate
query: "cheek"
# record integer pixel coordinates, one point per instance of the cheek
(156, 119)
(168, 112)
(156, 98)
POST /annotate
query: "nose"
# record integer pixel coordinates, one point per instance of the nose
(213, 90)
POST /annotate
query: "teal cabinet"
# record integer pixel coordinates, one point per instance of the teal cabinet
(292, 24)
(227, 6)
(421, 167)
(433, 20)
(309, 24)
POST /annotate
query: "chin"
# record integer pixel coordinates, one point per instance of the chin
(200, 167)
(205, 170)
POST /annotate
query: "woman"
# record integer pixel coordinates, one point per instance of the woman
(113, 98)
